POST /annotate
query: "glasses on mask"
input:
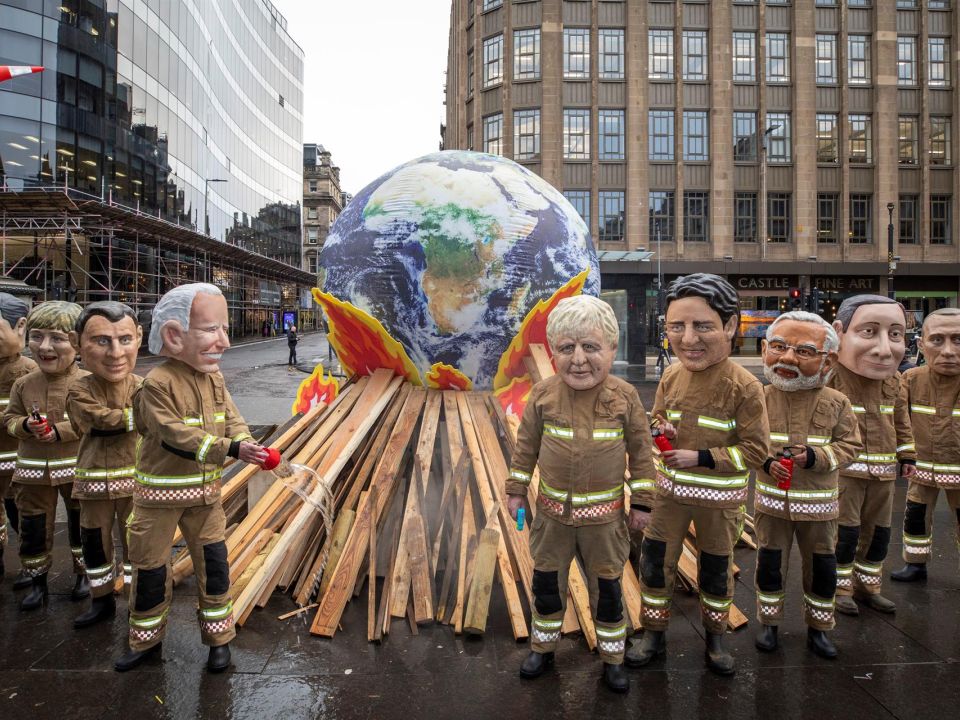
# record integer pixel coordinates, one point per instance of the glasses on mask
(804, 352)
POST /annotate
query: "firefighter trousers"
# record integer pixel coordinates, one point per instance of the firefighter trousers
(918, 520)
(97, 518)
(4, 486)
(38, 512)
(863, 535)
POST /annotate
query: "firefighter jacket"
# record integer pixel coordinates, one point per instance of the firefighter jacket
(934, 404)
(822, 421)
(884, 421)
(719, 412)
(41, 463)
(580, 439)
(102, 413)
(188, 426)
(11, 368)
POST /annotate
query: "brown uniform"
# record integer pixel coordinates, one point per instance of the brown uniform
(10, 370)
(102, 413)
(44, 469)
(823, 421)
(934, 404)
(720, 413)
(580, 440)
(189, 425)
(866, 483)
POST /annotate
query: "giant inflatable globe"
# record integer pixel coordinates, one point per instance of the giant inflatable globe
(449, 254)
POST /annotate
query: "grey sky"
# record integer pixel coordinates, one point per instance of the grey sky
(373, 85)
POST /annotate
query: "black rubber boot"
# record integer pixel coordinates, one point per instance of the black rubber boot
(878, 603)
(845, 605)
(133, 658)
(652, 645)
(101, 608)
(81, 588)
(766, 640)
(38, 594)
(820, 644)
(718, 659)
(23, 581)
(615, 677)
(218, 659)
(534, 665)
(911, 572)
(13, 514)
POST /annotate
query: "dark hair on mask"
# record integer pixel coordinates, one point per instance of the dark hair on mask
(849, 307)
(717, 292)
(12, 308)
(110, 309)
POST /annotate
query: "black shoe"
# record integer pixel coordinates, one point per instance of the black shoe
(534, 665)
(81, 588)
(766, 640)
(133, 658)
(718, 659)
(219, 658)
(38, 594)
(615, 677)
(23, 581)
(653, 644)
(911, 572)
(820, 644)
(101, 608)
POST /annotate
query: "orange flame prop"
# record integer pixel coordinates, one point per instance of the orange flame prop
(361, 342)
(533, 329)
(318, 388)
(447, 377)
(513, 398)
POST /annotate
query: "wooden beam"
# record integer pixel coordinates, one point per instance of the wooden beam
(478, 601)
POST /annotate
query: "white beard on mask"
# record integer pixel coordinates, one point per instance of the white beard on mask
(800, 382)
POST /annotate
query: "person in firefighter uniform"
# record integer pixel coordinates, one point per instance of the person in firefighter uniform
(189, 425)
(813, 431)
(579, 426)
(13, 326)
(713, 413)
(871, 329)
(47, 448)
(107, 336)
(932, 394)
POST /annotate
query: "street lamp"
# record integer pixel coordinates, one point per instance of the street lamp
(763, 189)
(206, 200)
(891, 263)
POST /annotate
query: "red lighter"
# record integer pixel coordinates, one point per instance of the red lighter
(661, 441)
(787, 462)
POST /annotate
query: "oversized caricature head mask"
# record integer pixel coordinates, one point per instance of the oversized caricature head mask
(703, 313)
(799, 351)
(872, 331)
(13, 324)
(108, 337)
(190, 324)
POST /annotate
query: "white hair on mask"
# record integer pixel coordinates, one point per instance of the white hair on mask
(581, 313)
(175, 305)
(831, 341)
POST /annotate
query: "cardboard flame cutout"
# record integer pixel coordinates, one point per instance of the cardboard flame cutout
(513, 397)
(447, 377)
(318, 388)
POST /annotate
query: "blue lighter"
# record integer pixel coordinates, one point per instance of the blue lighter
(521, 512)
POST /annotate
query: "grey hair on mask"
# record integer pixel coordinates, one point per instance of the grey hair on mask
(574, 315)
(831, 341)
(175, 306)
(12, 308)
(848, 307)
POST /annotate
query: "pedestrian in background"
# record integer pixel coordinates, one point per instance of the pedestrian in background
(292, 340)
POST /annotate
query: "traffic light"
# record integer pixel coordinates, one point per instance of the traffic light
(815, 301)
(795, 298)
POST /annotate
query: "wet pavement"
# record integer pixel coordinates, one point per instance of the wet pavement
(900, 666)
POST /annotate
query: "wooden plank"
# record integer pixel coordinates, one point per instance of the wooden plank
(468, 545)
(248, 554)
(541, 358)
(478, 600)
(372, 584)
(452, 564)
(382, 625)
(632, 597)
(578, 589)
(421, 578)
(737, 619)
(338, 538)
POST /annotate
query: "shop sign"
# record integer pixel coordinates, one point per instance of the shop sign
(846, 284)
(763, 282)
(269, 293)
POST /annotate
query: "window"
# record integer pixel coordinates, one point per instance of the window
(827, 206)
(859, 3)
(491, 4)
(493, 60)
(938, 67)
(907, 4)
(312, 235)
(778, 138)
(907, 213)
(493, 134)
(778, 217)
(907, 140)
(827, 138)
(470, 145)
(940, 141)
(312, 263)
(526, 134)
(311, 213)
(778, 57)
(861, 231)
(826, 59)
(611, 215)
(938, 4)
(940, 217)
(576, 53)
(696, 216)
(744, 57)
(469, 73)
(580, 199)
(610, 127)
(858, 59)
(861, 139)
(694, 55)
(696, 136)
(312, 184)
(526, 54)
(661, 215)
(826, 3)
(745, 136)
(660, 51)
(611, 54)
(661, 134)
(745, 217)
(906, 60)
(576, 134)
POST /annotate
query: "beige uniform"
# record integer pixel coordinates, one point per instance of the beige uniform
(101, 413)
(823, 421)
(866, 483)
(580, 440)
(189, 425)
(934, 404)
(719, 412)
(11, 369)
